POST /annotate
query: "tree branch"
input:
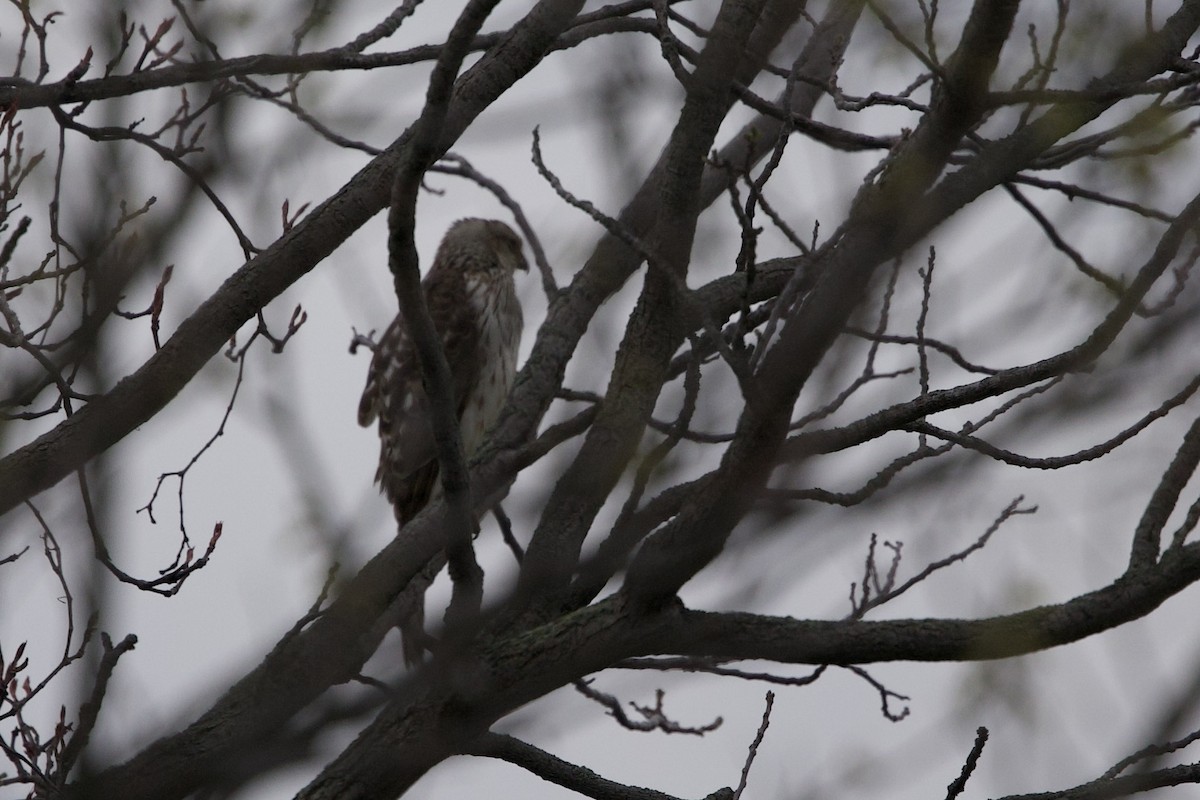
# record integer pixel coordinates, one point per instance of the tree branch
(573, 777)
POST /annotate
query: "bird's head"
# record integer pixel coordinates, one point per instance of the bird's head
(488, 244)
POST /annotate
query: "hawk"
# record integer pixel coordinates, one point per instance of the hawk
(472, 300)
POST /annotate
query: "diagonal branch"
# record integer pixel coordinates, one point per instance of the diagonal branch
(548, 767)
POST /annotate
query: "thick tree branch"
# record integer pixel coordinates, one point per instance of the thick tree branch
(790, 641)
(420, 728)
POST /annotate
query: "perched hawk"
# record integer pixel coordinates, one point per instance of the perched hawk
(473, 303)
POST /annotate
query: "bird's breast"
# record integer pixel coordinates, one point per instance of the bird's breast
(500, 323)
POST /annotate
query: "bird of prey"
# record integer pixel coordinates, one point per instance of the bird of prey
(472, 301)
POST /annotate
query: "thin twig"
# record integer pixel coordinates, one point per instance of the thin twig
(957, 786)
(758, 739)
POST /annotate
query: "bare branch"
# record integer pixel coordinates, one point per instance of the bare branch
(957, 786)
(550, 768)
(758, 738)
(654, 718)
